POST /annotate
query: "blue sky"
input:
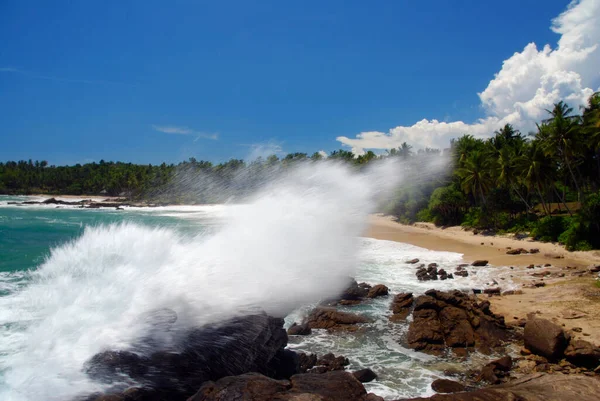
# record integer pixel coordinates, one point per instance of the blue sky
(154, 81)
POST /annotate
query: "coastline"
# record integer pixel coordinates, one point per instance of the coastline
(474, 247)
(568, 296)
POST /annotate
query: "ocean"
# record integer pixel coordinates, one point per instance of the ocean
(73, 281)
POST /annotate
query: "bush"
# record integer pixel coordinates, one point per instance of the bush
(446, 206)
(549, 228)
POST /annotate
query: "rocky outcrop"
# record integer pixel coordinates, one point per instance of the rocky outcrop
(355, 293)
(331, 386)
(461, 272)
(329, 363)
(537, 387)
(446, 386)
(432, 273)
(334, 320)
(252, 343)
(401, 306)
(544, 338)
(378, 290)
(299, 329)
(456, 321)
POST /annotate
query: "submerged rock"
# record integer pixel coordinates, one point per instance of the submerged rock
(365, 375)
(334, 320)
(299, 329)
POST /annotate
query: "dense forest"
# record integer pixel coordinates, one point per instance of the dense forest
(546, 183)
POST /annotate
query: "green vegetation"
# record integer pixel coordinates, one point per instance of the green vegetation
(546, 183)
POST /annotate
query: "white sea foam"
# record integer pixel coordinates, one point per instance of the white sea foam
(290, 246)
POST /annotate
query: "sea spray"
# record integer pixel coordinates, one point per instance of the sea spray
(292, 244)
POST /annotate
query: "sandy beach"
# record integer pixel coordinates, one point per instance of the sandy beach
(568, 297)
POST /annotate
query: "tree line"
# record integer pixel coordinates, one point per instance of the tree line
(546, 183)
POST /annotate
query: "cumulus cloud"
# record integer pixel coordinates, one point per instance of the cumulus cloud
(175, 130)
(528, 83)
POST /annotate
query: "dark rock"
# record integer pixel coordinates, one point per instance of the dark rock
(378, 291)
(412, 261)
(331, 319)
(332, 386)
(246, 387)
(253, 343)
(447, 386)
(454, 320)
(365, 375)
(492, 291)
(583, 353)
(544, 338)
(332, 362)
(307, 361)
(534, 250)
(401, 306)
(495, 371)
(354, 291)
(513, 252)
(479, 263)
(299, 329)
(461, 273)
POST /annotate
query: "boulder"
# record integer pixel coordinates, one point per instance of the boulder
(253, 343)
(447, 386)
(457, 321)
(479, 263)
(365, 375)
(544, 338)
(334, 320)
(412, 261)
(378, 290)
(355, 291)
(401, 306)
(583, 353)
(535, 387)
(299, 329)
(246, 387)
(332, 386)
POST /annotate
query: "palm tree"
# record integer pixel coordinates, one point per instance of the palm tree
(508, 175)
(536, 170)
(475, 174)
(560, 137)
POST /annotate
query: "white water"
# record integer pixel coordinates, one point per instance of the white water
(293, 245)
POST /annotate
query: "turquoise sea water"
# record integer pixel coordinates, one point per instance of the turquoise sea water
(27, 233)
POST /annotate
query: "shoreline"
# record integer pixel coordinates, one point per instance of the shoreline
(475, 247)
(568, 297)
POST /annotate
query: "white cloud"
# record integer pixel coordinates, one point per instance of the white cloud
(528, 83)
(171, 129)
